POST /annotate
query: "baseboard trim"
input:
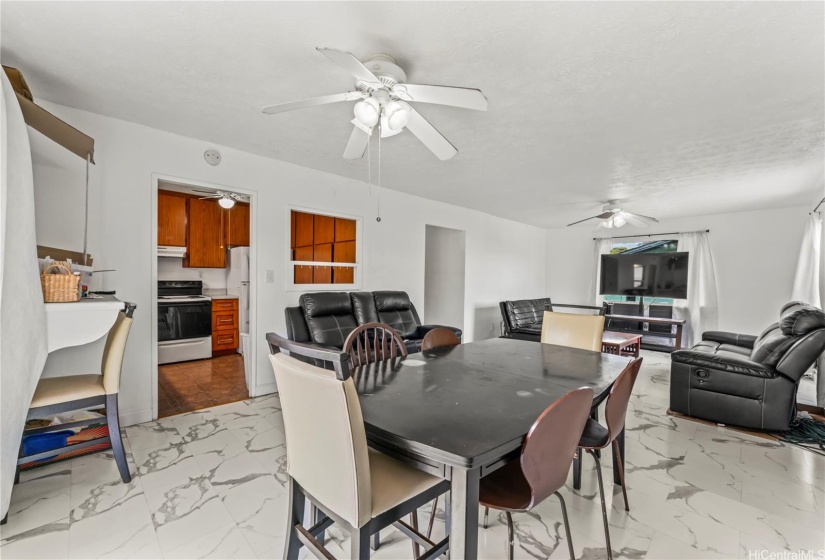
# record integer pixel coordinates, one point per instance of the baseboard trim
(265, 389)
(137, 417)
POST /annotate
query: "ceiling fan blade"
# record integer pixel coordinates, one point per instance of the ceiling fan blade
(641, 217)
(468, 98)
(634, 220)
(605, 215)
(430, 137)
(584, 220)
(205, 197)
(357, 144)
(348, 62)
(312, 102)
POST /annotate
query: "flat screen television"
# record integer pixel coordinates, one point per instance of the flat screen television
(656, 275)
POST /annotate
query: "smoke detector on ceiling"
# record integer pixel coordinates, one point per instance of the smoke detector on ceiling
(212, 157)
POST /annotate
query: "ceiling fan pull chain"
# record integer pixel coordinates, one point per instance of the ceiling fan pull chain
(378, 218)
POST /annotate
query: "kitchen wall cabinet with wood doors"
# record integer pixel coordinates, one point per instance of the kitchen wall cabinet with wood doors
(171, 219)
(236, 225)
(204, 234)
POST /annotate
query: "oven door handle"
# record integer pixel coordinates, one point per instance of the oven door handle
(184, 342)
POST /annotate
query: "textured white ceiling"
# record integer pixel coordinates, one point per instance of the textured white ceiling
(676, 109)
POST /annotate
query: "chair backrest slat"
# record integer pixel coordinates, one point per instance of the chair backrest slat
(374, 342)
(113, 351)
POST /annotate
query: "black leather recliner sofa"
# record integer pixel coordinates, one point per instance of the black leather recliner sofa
(749, 381)
(522, 318)
(326, 318)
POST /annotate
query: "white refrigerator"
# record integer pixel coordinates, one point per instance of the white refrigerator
(237, 283)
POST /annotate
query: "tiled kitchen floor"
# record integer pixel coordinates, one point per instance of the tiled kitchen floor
(188, 386)
(211, 484)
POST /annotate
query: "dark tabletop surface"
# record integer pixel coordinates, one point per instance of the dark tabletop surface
(468, 405)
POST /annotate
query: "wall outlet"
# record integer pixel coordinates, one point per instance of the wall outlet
(270, 276)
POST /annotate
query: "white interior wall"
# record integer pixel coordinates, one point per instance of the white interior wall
(444, 282)
(504, 259)
(754, 256)
(170, 268)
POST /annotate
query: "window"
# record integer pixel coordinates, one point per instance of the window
(317, 239)
(658, 246)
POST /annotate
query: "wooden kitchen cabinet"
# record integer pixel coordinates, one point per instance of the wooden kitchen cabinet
(204, 235)
(236, 225)
(171, 219)
(225, 333)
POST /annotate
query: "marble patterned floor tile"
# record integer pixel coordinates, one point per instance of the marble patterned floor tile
(119, 511)
(268, 404)
(151, 435)
(166, 466)
(258, 509)
(44, 497)
(186, 512)
(664, 547)
(225, 472)
(47, 541)
(225, 542)
(138, 542)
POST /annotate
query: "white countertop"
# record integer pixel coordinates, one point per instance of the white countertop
(219, 294)
(80, 322)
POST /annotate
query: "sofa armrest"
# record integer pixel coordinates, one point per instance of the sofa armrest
(424, 329)
(741, 340)
(729, 362)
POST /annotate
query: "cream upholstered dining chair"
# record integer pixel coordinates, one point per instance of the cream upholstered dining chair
(573, 330)
(55, 395)
(329, 463)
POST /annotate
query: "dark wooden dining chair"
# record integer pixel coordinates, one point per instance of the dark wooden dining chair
(542, 468)
(439, 337)
(596, 437)
(374, 342)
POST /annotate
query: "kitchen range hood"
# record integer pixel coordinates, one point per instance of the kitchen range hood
(174, 252)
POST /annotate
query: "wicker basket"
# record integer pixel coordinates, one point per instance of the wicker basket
(62, 286)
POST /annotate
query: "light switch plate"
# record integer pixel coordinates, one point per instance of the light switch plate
(270, 276)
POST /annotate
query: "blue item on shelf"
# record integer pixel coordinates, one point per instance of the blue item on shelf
(38, 443)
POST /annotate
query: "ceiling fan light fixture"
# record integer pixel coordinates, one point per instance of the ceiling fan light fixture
(226, 201)
(367, 112)
(618, 220)
(398, 114)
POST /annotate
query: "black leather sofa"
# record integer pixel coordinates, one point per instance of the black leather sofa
(749, 381)
(326, 318)
(522, 318)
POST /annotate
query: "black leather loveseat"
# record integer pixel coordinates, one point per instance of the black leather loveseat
(327, 318)
(745, 380)
(522, 318)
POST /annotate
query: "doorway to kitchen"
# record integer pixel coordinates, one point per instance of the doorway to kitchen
(203, 297)
(444, 276)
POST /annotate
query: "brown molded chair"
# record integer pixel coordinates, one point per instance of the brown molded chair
(596, 437)
(329, 463)
(439, 337)
(55, 395)
(573, 330)
(374, 342)
(544, 464)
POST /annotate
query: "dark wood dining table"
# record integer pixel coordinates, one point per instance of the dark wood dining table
(463, 412)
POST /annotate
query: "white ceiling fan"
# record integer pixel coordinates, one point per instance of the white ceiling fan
(225, 199)
(613, 216)
(382, 96)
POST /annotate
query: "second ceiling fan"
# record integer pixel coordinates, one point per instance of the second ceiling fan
(383, 94)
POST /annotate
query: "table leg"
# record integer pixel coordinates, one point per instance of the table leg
(678, 344)
(463, 520)
(620, 440)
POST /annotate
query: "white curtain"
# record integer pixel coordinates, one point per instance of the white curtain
(22, 314)
(806, 282)
(602, 247)
(701, 309)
